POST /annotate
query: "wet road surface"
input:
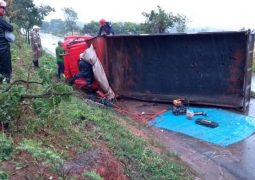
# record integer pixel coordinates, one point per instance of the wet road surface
(210, 161)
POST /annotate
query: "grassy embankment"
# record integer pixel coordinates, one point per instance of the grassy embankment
(46, 133)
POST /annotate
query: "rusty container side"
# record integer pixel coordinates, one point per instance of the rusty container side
(99, 44)
(206, 68)
(248, 73)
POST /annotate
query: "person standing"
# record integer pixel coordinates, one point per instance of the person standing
(60, 52)
(36, 45)
(105, 27)
(5, 53)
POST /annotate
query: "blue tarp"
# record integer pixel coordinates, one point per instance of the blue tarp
(233, 127)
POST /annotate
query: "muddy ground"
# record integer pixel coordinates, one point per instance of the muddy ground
(210, 161)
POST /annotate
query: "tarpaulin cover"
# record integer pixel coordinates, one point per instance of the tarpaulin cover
(90, 56)
(233, 127)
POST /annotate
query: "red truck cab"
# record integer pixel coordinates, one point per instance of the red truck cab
(74, 46)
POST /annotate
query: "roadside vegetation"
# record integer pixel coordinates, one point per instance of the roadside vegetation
(49, 131)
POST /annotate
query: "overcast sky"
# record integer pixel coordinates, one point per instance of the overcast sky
(224, 14)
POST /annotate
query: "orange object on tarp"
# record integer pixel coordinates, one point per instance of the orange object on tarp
(74, 46)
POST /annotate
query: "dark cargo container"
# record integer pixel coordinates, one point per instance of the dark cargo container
(206, 68)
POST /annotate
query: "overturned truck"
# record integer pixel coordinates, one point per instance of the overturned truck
(206, 68)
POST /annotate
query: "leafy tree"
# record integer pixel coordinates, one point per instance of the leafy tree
(55, 26)
(91, 28)
(127, 28)
(25, 14)
(180, 23)
(45, 26)
(70, 19)
(161, 21)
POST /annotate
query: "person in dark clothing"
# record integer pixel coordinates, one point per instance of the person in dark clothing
(105, 28)
(86, 72)
(5, 53)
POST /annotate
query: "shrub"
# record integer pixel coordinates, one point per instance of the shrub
(6, 148)
(9, 104)
(3, 175)
(92, 175)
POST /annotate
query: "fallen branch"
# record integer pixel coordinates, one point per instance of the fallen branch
(20, 81)
(46, 95)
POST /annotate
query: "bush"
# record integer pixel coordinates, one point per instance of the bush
(9, 104)
(6, 148)
(3, 175)
(92, 175)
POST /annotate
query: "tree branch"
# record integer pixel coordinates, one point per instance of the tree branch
(20, 81)
(46, 95)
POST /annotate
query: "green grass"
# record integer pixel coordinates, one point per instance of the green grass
(140, 161)
(92, 175)
(6, 147)
(3, 175)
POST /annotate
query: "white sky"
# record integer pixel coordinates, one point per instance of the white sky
(223, 14)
